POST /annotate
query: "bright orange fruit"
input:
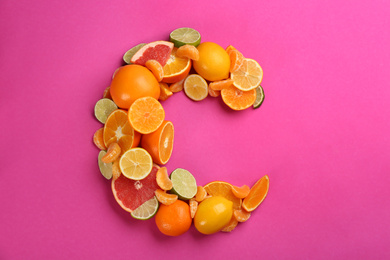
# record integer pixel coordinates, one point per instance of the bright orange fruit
(257, 194)
(165, 198)
(231, 226)
(156, 68)
(159, 144)
(200, 194)
(236, 60)
(176, 68)
(188, 51)
(237, 99)
(221, 84)
(177, 86)
(174, 219)
(241, 192)
(163, 180)
(98, 139)
(165, 92)
(113, 153)
(146, 115)
(241, 215)
(223, 189)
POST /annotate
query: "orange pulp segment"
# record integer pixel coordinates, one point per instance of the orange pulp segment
(163, 180)
(223, 189)
(236, 60)
(257, 194)
(221, 84)
(156, 68)
(177, 86)
(146, 115)
(113, 153)
(237, 99)
(165, 92)
(98, 139)
(116, 170)
(229, 49)
(231, 226)
(188, 51)
(165, 198)
(176, 68)
(241, 192)
(193, 207)
(241, 215)
(200, 194)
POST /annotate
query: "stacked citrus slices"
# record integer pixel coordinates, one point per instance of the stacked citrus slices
(136, 140)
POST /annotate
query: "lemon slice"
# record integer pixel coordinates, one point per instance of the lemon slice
(196, 87)
(136, 163)
(185, 35)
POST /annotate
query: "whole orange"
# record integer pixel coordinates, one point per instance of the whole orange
(132, 82)
(174, 219)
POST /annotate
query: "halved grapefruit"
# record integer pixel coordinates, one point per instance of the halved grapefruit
(158, 50)
(130, 194)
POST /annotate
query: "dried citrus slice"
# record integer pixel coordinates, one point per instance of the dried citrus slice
(184, 184)
(146, 210)
(248, 76)
(176, 68)
(103, 108)
(105, 168)
(223, 189)
(158, 50)
(146, 115)
(130, 53)
(136, 163)
(159, 144)
(257, 194)
(185, 35)
(237, 99)
(118, 130)
(196, 87)
(259, 97)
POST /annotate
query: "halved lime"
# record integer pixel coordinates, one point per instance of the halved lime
(184, 184)
(130, 53)
(146, 210)
(105, 168)
(259, 97)
(185, 35)
(104, 108)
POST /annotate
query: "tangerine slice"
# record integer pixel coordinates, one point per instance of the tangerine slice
(193, 207)
(106, 93)
(231, 226)
(214, 93)
(237, 99)
(159, 144)
(116, 170)
(136, 163)
(241, 215)
(165, 198)
(156, 68)
(223, 189)
(165, 92)
(241, 192)
(236, 60)
(177, 86)
(146, 115)
(201, 194)
(163, 180)
(257, 194)
(221, 84)
(229, 49)
(98, 139)
(113, 152)
(117, 129)
(248, 76)
(176, 68)
(188, 51)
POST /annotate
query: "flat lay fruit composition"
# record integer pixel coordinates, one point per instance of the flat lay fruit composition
(136, 139)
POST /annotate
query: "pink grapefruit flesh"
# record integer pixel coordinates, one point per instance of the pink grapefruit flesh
(131, 194)
(158, 50)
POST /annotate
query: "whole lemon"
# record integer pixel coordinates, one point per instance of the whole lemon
(213, 63)
(213, 214)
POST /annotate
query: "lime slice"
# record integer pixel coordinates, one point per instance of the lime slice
(105, 168)
(183, 36)
(103, 108)
(184, 184)
(259, 97)
(130, 53)
(146, 210)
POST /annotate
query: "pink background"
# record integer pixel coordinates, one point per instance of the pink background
(322, 134)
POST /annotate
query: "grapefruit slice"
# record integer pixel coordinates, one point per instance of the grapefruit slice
(130, 194)
(158, 50)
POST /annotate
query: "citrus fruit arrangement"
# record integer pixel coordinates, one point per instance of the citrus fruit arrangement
(136, 140)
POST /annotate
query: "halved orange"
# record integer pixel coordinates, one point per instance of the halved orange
(257, 194)
(146, 115)
(237, 99)
(223, 189)
(176, 68)
(159, 144)
(248, 76)
(117, 129)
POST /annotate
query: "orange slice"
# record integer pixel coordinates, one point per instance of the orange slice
(146, 115)
(257, 194)
(223, 189)
(236, 60)
(237, 99)
(159, 144)
(195, 87)
(176, 68)
(165, 93)
(117, 129)
(241, 192)
(165, 198)
(221, 84)
(156, 68)
(248, 76)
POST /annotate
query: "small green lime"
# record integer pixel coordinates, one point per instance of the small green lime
(146, 210)
(105, 168)
(130, 53)
(183, 184)
(183, 36)
(259, 97)
(104, 108)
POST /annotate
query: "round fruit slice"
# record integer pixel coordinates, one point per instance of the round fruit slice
(237, 99)
(183, 36)
(159, 50)
(146, 210)
(104, 108)
(257, 194)
(105, 168)
(259, 97)
(136, 163)
(118, 130)
(131, 194)
(146, 115)
(248, 76)
(176, 68)
(196, 87)
(184, 184)
(159, 144)
(130, 53)
(223, 189)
